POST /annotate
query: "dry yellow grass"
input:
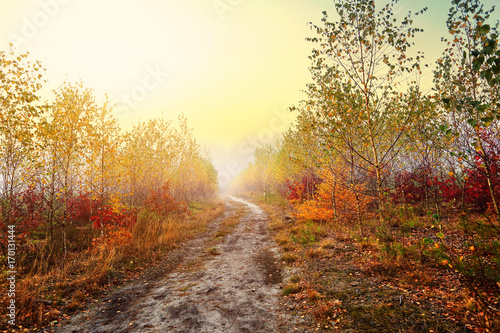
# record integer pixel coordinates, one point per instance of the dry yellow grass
(66, 282)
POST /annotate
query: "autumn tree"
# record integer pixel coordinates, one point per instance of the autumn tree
(157, 156)
(204, 183)
(147, 157)
(466, 80)
(20, 81)
(63, 135)
(102, 143)
(360, 61)
(185, 164)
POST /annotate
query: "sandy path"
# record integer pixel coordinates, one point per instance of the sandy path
(235, 290)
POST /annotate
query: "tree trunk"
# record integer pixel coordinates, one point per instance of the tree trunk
(376, 162)
(488, 176)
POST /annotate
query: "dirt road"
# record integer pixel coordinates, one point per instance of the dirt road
(230, 285)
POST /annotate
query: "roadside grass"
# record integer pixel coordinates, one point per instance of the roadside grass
(52, 286)
(380, 277)
(213, 251)
(290, 288)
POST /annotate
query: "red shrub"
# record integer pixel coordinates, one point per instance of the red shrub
(298, 191)
(477, 192)
(109, 217)
(163, 203)
(423, 184)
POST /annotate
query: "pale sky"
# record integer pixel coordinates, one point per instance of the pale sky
(231, 66)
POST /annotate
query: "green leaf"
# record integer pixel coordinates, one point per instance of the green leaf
(428, 241)
(477, 63)
(474, 104)
(440, 235)
(487, 120)
(484, 29)
(495, 69)
(472, 122)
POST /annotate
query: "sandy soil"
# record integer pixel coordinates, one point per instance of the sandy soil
(207, 285)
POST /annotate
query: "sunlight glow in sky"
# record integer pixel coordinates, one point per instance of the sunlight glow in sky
(231, 66)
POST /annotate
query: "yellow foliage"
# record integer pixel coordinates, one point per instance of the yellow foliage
(116, 203)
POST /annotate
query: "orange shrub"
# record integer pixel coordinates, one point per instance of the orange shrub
(336, 199)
